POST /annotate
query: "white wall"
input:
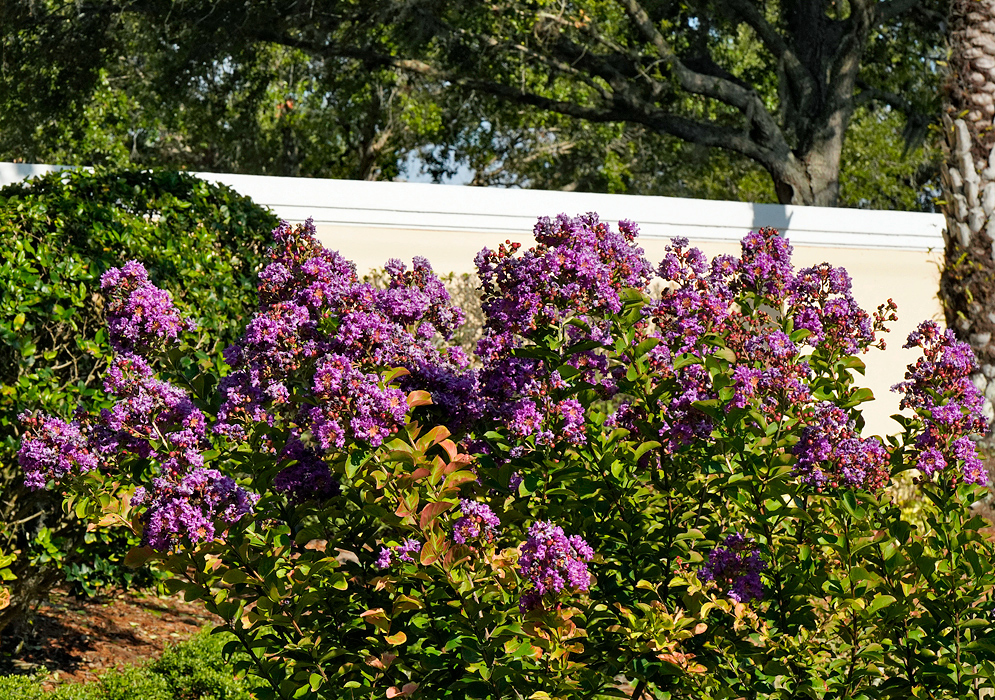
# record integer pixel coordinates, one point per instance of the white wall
(354, 204)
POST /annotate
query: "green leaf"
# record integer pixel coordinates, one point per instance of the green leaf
(138, 556)
(880, 601)
(644, 448)
(645, 346)
(431, 511)
(849, 502)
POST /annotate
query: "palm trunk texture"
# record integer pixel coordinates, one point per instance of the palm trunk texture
(967, 283)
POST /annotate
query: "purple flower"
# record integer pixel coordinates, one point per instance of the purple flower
(776, 345)
(525, 420)
(735, 568)
(823, 304)
(385, 558)
(188, 510)
(149, 414)
(139, 314)
(765, 264)
(572, 428)
(939, 389)
(576, 272)
(478, 522)
(552, 562)
(683, 424)
(307, 477)
(830, 453)
(317, 320)
(697, 298)
(53, 449)
(402, 552)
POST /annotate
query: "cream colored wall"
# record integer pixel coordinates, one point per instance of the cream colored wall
(910, 278)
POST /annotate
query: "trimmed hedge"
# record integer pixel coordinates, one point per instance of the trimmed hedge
(192, 670)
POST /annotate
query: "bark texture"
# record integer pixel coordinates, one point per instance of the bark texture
(967, 283)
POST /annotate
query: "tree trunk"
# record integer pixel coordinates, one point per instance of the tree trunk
(812, 178)
(967, 283)
(807, 188)
(812, 181)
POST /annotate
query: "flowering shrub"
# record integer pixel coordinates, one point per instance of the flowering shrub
(671, 491)
(58, 234)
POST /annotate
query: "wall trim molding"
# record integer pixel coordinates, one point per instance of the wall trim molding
(428, 207)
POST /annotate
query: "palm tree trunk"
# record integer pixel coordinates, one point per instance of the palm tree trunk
(967, 284)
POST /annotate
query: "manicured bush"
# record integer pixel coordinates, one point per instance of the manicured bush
(131, 684)
(29, 688)
(58, 234)
(668, 491)
(192, 670)
(197, 669)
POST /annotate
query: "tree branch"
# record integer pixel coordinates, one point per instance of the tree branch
(619, 106)
(886, 11)
(745, 100)
(776, 44)
(872, 94)
(712, 135)
(916, 121)
(846, 65)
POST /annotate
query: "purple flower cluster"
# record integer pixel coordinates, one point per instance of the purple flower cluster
(53, 449)
(402, 552)
(306, 476)
(321, 330)
(344, 393)
(578, 268)
(735, 567)
(765, 264)
(186, 509)
(139, 314)
(552, 562)
(830, 454)
(697, 298)
(478, 523)
(700, 301)
(151, 419)
(419, 297)
(726, 298)
(939, 389)
(575, 273)
(700, 295)
(822, 303)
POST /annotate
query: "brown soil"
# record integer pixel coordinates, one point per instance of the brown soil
(76, 641)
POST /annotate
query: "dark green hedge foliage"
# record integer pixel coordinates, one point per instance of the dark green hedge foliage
(192, 670)
(58, 234)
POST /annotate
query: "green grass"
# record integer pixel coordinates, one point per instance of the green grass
(192, 670)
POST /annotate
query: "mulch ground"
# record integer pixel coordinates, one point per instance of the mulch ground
(76, 641)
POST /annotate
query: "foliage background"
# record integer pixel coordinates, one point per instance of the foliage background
(168, 91)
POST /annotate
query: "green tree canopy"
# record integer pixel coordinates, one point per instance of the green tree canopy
(728, 98)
